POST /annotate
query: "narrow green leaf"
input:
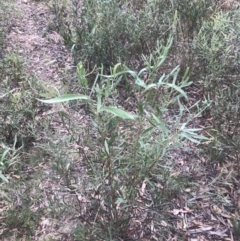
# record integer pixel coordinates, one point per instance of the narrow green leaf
(189, 137)
(106, 147)
(140, 107)
(3, 177)
(66, 97)
(178, 89)
(150, 87)
(120, 201)
(117, 112)
(140, 82)
(160, 80)
(194, 137)
(2, 194)
(82, 74)
(148, 129)
(99, 97)
(156, 119)
(115, 68)
(112, 139)
(160, 123)
(192, 129)
(142, 71)
(186, 73)
(4, 154)
(175, 17)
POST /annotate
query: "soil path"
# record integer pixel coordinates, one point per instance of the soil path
(42, 49)
(44, 56)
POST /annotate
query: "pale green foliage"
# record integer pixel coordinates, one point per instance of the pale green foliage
(114, 141)
(217, 45)
(7, 156)
(122, 150)
(18, 109)
(106, 32)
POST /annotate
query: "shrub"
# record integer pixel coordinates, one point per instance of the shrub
(217, 46)
(18, 108)
(126, 157)
(107, 32)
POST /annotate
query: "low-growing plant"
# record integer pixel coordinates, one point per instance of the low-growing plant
(127, 183)
(20, 122)
(107, 32)
(18, 102)
(21, 215)
(7, 157)
(20, 126)
(25, 221)
(191, 17)
(217, 44)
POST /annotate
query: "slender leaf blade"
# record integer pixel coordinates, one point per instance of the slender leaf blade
(64, 98)
(117, 112)
(3, 177)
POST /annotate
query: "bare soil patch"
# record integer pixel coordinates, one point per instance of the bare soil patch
(42, 50)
